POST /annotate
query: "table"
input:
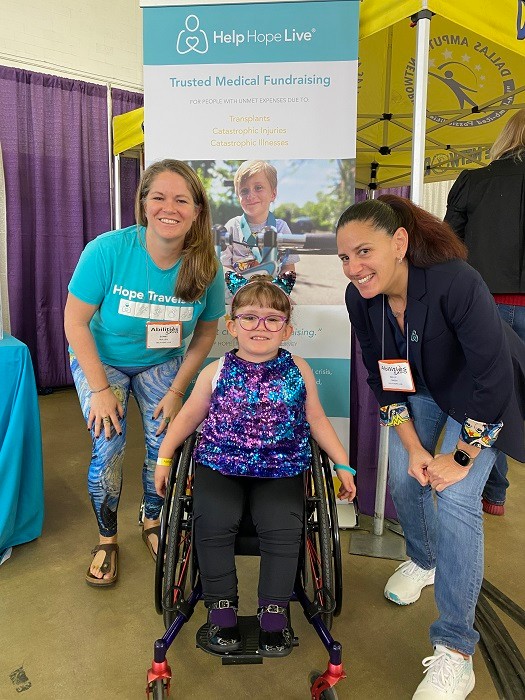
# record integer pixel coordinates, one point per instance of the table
(21, 469)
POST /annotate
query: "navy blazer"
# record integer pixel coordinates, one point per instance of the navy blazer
(472, 363)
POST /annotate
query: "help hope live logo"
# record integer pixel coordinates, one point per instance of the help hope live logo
(193, 38)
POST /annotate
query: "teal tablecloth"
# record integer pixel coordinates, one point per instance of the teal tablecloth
(21, 472)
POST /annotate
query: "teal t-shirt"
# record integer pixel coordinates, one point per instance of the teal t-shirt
(116, 273)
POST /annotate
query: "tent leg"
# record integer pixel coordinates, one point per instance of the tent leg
(371, 539)
(382, 471)
(420, 105)
(116, 190)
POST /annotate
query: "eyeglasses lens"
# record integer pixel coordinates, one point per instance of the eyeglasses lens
(250, 322)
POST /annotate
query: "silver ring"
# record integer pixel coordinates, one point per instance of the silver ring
(167, 420)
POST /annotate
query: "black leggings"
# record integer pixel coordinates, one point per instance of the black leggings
(277, 510)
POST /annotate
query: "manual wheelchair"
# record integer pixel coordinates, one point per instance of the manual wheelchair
(318, 584)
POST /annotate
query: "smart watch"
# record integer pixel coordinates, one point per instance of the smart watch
(463, 458)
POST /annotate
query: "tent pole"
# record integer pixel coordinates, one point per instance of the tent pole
(109, 101)
(422, 21)
(116, 192)
(381, 480)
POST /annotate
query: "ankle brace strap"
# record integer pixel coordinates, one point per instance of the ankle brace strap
(272, 608)
(222, 605)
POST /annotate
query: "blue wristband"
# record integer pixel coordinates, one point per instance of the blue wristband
(345, 468)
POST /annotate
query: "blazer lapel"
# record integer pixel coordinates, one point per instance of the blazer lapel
(416, 315)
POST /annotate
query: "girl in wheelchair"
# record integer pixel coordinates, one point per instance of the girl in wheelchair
(259, 405)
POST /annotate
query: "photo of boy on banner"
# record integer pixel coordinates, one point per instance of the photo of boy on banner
(255, 184)
(274, 216)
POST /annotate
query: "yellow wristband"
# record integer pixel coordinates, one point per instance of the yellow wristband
(164, 461)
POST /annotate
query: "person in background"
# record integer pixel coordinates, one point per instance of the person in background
(439, 357)
(255, 185)
(135, 296)
(259, 405)
(486, 208)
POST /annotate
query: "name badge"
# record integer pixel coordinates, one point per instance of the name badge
(163, 335)
(396, 375)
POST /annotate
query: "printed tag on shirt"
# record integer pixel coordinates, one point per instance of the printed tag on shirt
(186, 313)
(396, 375)
(163, 335)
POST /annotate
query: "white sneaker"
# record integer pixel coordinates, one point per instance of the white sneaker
(407, 582)
(447, 675)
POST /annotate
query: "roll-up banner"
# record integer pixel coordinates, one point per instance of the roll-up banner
(275, 82)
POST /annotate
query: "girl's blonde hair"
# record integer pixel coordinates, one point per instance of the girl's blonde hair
(254, 167)
(260, 291)
(199, 261)
(511, 141)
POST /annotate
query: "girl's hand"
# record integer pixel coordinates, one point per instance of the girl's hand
(104, 412)
(444, 471)
(418, 461)
(348, 488)
(169, 406)
(161, 479)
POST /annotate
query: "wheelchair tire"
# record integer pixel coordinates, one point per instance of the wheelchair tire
(178, 567)
(328, 694)
(159, 690)
(164, 522)
(334, 531)
(320, 549)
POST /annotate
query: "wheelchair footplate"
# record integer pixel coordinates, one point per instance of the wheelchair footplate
(249, 652)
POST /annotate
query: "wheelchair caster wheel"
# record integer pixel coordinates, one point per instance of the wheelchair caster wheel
(328, 694)
(159, 689)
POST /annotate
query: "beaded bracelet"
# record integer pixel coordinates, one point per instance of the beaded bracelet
(99, 390)
(345, 468)
(164, 461)
(177, 392)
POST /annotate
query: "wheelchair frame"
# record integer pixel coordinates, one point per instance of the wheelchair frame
(178, 588)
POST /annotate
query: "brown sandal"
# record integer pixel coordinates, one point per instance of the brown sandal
(110, 550)
(155, 530)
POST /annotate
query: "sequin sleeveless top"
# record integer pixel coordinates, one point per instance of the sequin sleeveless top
(257, 424)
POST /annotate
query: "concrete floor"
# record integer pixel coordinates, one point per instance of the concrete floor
(72, 641)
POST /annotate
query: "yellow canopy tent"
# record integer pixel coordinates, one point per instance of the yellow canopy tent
(128, 132)
(432, 97)
(128, 142)
(475, 69)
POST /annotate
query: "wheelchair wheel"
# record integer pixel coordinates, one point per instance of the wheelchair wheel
(321, 553)
(179, 573)
(329, 693)
(159, 690)
(164, 523)
(334, 532)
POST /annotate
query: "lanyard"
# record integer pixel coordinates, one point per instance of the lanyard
(383, 333)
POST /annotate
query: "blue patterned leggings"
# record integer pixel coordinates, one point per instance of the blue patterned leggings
(105, 469)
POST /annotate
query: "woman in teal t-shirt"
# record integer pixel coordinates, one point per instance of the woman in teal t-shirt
(135, 296)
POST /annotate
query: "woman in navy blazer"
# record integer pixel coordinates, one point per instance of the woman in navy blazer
(414, 301)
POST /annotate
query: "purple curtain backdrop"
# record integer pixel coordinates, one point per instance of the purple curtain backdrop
(364, 414)
(124, 101)
(360, 195)
(53, 134)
